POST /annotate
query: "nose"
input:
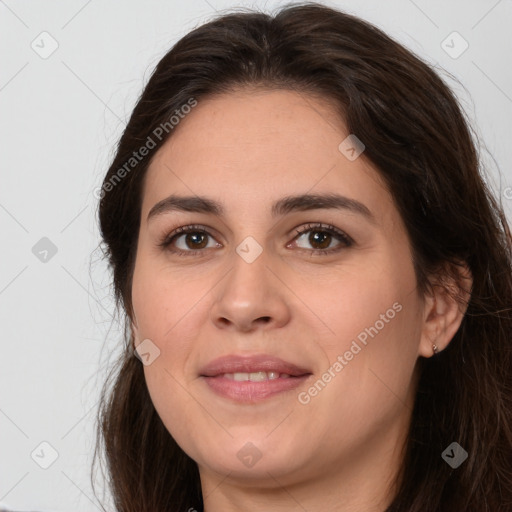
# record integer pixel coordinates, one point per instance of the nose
(251, 296)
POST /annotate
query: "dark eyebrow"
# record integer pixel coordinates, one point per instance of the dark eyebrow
(281, 207)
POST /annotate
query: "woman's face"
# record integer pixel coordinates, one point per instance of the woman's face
(328, 325)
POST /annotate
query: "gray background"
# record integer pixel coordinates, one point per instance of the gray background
(61, 118)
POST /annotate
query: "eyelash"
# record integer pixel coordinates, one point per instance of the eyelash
(323, 228)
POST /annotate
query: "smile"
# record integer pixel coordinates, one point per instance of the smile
(253, 387)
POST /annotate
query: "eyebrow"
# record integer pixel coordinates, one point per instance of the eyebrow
(281, 207)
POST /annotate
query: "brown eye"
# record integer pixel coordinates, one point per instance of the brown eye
(320, 238)
(187, 241)
(195, 240)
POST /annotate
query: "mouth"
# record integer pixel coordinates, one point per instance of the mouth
(255, 376)
(252, 379)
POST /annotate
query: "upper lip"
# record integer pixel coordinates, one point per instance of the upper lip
(250, 364)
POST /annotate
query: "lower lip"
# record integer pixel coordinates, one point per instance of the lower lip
(250, 392)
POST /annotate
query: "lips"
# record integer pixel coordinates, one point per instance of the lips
(252, 379)
(251, 364)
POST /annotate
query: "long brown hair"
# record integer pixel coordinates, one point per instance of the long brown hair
(420, 140)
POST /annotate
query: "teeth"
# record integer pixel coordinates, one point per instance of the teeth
(255, 376)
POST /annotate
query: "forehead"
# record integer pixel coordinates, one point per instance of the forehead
(252, 147)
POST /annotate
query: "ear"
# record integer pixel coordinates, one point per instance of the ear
(443, 313)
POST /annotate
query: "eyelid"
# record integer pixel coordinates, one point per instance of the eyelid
(320, 226)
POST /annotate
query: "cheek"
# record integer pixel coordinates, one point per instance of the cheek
(163, 300)
(166, 308)
(364, 304)
(178, 410)
(364, 392)
(372, 354)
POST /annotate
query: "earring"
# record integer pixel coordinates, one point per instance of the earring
(434, 348)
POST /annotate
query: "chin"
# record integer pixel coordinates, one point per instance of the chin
(256, 461)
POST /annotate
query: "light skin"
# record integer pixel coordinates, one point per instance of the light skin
(340, 451)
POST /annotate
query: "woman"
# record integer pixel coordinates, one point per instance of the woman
(316, 280)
